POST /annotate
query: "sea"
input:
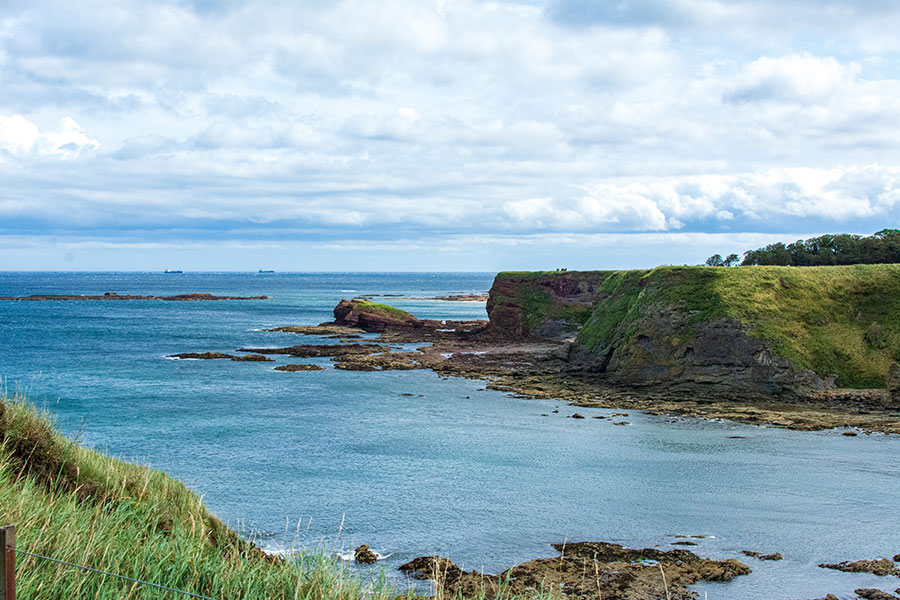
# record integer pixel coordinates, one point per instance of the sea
(412, 463)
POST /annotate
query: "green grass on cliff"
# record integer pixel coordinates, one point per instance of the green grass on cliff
(81, 506)
(835, 320)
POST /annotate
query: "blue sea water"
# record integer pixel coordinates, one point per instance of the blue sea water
(344, 458)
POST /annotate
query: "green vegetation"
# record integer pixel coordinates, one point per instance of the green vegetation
(77, 505)
(833, 320)
(387, 309)
(882, 247)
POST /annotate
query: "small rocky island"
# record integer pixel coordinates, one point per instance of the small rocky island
(192, 297)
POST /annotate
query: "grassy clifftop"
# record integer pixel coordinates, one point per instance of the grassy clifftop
(842, 320)
(77, 505)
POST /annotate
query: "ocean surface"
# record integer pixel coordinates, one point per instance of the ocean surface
(337, 458)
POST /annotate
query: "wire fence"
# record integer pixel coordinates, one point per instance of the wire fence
(14, 550)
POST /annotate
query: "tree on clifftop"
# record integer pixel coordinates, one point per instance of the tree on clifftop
(830, 249)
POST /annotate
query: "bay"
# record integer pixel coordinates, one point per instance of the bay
(343, 458)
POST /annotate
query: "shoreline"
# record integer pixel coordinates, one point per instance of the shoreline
(534, 369)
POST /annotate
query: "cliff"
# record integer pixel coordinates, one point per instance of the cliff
(747, 329)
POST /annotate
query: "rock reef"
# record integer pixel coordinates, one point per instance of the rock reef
(585, 570)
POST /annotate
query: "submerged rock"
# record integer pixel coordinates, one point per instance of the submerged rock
(761, 556)
(294, 367)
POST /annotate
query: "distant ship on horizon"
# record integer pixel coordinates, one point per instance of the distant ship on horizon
(172, 271)
(265, 271)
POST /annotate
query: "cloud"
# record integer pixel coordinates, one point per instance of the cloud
(66, 140)
(267, 120)
(797, 78)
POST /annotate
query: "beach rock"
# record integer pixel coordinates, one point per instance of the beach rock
(577, 416)
(585, 570)
(295, 367)
(251, 358)
(880, 567)
(202, 355)
(364, 555)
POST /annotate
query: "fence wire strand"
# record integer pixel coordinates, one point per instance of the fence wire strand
(124, 577)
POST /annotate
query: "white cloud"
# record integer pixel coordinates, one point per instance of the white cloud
(794, 78)
(20, 137)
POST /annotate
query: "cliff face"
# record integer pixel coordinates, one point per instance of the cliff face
(748, 330)
(543, 304)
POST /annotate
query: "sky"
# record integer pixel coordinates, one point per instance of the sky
(420, 135)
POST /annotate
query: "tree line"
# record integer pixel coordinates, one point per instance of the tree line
(838, 249)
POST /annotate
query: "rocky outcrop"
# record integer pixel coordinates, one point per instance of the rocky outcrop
(298, 367)
(364, 555)
(370, 316)
(201, 355)
(585, 570)
(386, 361)
(873, 594)
(882, 567)
(252, 358)
(220, 355)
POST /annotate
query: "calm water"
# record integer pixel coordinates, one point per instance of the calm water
(457, 470)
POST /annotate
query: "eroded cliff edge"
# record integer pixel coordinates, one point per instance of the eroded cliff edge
(748, 330)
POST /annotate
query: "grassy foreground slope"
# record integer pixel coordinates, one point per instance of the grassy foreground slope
(81, 506)
(842, 320)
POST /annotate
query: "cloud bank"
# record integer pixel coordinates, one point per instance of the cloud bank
(333, 124)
